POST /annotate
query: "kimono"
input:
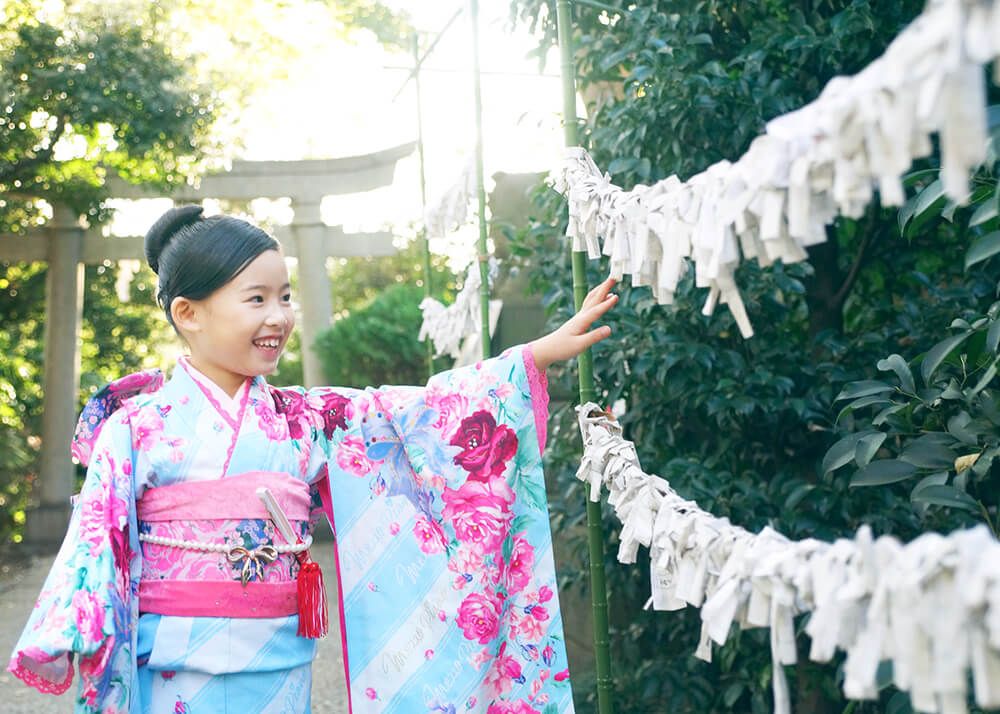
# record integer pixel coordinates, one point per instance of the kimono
(173, 593)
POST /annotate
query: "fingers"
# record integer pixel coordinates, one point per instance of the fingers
(598, 293)
(595, 336)
(588, 314)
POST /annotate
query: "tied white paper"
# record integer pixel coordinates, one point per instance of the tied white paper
(826, 159)
(931, 606)
(447, 327)
(451, 209)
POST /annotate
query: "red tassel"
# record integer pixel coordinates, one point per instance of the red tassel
(314, 620)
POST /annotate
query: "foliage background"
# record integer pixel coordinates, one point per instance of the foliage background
(88, 89)
(744, 427)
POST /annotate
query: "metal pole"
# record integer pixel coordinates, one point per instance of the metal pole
(595, 536)
(483, 256)
(415, 42)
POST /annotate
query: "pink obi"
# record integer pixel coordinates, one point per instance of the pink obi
(227, 516)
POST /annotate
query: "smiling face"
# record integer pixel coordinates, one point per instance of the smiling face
(240, 330)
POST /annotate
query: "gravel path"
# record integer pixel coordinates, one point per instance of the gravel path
(20, 584)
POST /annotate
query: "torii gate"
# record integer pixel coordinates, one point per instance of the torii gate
(67, 247)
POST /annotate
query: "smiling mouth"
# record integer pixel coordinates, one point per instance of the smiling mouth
(269, 343)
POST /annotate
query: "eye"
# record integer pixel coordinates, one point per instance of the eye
(287, 297)
(256, 299)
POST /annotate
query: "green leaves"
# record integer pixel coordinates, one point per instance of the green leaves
(984, 247)
(898, 365)
(882, 472)
(938, 353)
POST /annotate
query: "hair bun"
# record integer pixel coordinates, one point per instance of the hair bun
(164, 229)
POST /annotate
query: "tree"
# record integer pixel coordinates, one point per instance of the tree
(741, 426)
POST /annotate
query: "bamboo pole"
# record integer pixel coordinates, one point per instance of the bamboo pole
(483, 256)
(595, 536)
(415, 44)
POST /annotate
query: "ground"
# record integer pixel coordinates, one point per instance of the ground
(19, 586)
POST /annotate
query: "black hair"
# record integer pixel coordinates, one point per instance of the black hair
(194, 256)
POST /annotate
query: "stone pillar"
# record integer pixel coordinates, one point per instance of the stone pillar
(314, 286)
(46, 525)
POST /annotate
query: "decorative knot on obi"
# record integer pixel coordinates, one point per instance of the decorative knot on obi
(210, 548)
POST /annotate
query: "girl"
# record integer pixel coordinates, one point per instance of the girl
(184, 584)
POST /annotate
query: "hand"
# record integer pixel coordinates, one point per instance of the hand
(575, 335)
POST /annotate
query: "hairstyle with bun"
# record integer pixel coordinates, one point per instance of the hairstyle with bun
(194, 255)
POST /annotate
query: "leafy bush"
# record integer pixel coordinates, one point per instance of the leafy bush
(377, 344)
(743, 427)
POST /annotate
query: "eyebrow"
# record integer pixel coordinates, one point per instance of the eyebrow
(248, 288)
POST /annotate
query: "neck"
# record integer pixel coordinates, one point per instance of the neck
(228, 382)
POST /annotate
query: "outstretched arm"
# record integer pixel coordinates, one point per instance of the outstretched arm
(574, 336)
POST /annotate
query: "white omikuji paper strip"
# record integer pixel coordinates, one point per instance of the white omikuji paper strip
(452, 208)
(931, 606)
(823, 160)
(447, 327)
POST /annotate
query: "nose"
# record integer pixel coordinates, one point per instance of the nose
(276, 317)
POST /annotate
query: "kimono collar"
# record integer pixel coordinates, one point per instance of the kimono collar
(232, 407)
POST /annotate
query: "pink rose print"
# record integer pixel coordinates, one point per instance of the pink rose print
(147, 426)
(530, 629)
(451, 408)
(335, 410)
(502, 675)
(100, 513)
(293, 405)
(466, 560)
(477, 660)
(544, 593)
(518, 707)
(562, 676)
(479, 617)
(352, 457)
(442, 616)
(394, 528)
(480, 513)
(548, 654)
(504, 390)
(517, 573)
(274, 429)
(168, 674)
(180, 707)
(428, 654)
(371, 694)
(538, 612)
(471, 702)
(429, 535)
(89, 613)
(486, 447)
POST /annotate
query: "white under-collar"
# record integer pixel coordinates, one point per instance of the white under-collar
(231, 406)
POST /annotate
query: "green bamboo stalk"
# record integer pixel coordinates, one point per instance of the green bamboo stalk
(415, 45)
(483, 256)
(595, 536)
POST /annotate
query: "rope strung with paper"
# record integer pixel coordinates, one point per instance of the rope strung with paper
(931, 606)
(448, 326)
(823, 160)
(451, 209)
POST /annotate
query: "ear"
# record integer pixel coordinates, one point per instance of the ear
(186, 315)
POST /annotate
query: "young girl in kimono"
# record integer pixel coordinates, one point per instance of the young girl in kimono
(184, 584)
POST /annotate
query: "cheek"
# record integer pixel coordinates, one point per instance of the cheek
(290, 318)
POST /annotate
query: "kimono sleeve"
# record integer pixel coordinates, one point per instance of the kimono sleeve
(85, 605)
(444, 546)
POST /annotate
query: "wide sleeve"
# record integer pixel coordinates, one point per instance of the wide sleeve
(445, 550)
(85, 607)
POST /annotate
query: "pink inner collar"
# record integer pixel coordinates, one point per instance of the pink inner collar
(230, 407)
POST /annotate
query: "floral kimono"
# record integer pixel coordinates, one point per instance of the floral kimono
(179, 591)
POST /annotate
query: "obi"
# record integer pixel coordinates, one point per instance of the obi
(211, 548)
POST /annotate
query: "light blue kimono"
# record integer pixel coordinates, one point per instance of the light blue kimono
(437, 498)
